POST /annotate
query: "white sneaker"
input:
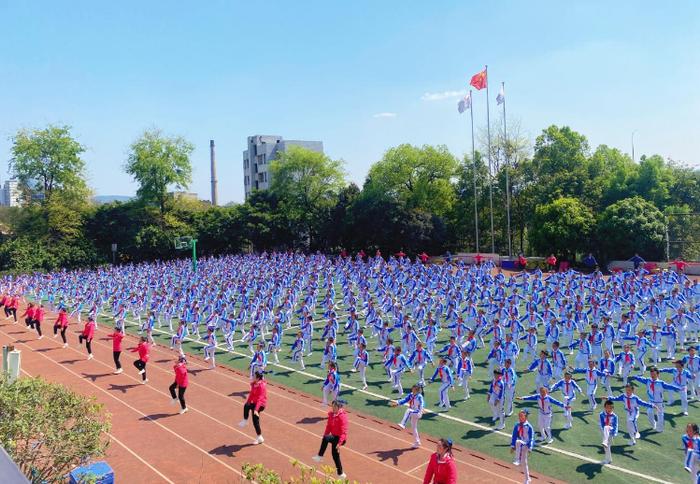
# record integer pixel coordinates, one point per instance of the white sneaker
(55, 336)
(90, 356)
(173, 401)
(354, 370)
(636, 436)
(364, 387)
(143, 382)
(120, 370)
(141, 372)
(500, 427)
(632, 442)
(184, 410)
(343, 476)
(317, 458)
(41, 337)
(242, 423)
(516, 462)
(416, 445)
(65, 345)
(259, 440)
(550, 440)
(684, 413)
(402, 426)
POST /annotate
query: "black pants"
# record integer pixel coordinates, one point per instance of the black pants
(56, 329)
(333, 440)
(141, 365)
(180, 394)
(29, 322)
(116, 355)
(88, 343)
(12, 311)
(247, 409)
(37, 326)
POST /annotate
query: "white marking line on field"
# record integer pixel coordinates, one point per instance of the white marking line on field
(126, 447)
(295, 427)
(419, 467)
(440, 414)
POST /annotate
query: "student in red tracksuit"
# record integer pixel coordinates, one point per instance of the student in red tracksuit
(256, 402)
(117, 338)
(143, 348)
(29, 313)
(181, 382)
(441, 468)
(38, 318)
(336, 434)
(3, 303)
(61, 324)
(13, 306)
(87, 335)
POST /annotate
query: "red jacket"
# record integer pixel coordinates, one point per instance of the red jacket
(14, 303)
(89, 330)
(117, 338)
(61, 320)
(258, 394)
(29, 312)
(142, 348)
(181, 377)
(441, 471)
(5, 300)
(39, 315)
(337, 425)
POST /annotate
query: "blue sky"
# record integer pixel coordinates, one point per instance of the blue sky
(324, 70)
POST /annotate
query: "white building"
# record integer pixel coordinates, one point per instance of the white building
(262, 149)
(11, 195)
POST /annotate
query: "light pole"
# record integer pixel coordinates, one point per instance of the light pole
(633, 159)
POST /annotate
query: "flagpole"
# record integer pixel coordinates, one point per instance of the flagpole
(488, 133)
(476, 209)
(505, 148)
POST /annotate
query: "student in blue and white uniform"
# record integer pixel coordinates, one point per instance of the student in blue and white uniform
(510, 380)
(608, 429)
(361, 363)
(419, 359)
(416, 404)
(331, 385)
(258, 362)
(298, 350)
(655, 392)
(522, 442)
(543, 369)
(631, 404)
(444, 374)
(568, 389)
(397, 364)
(544, 415)
(495, 396)
(681, 379)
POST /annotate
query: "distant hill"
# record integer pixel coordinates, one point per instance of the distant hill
(100, 199)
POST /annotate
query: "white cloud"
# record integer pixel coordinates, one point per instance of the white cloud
(384, 115)
(440, 96)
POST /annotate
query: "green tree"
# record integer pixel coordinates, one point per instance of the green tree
(632, 225)
(307, 184)
(48, 429)
(157, 162)
(420, 178)
(561, 227)
(46, 161)
(613, 175)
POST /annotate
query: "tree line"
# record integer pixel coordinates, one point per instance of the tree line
(566, 199)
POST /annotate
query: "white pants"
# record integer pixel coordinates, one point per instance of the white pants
(607, 442)
(496, 409)
(328, 391)
(522, 451)
(508, 396)
(684, 398)
(590, 393)
(632, 428)
(444, 395)
(544, 422)
(541, 381)
(414, 417)
(656, 416)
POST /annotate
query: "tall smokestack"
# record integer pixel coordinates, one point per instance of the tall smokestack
(214, 195)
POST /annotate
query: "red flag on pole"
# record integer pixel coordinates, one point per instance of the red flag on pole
(479, 80)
